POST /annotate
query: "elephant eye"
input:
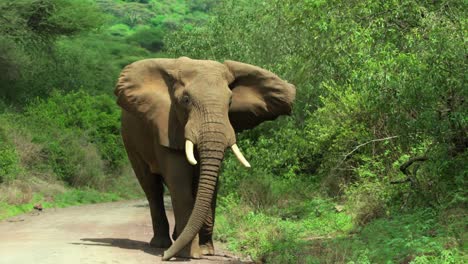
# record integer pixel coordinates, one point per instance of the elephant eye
(185, 100)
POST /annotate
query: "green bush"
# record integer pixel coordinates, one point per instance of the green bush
(70, 139)
(120, 30)
(75, 161)
(371, 88)
(404, 237)
(97, 118)
(150, 38)
(378, 84)
(281, 237)
(74, 136)
(9, 164)
(29, 55)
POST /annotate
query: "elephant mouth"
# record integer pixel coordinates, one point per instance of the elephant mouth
(191, 157)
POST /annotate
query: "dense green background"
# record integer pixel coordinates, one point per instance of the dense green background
(370, 167)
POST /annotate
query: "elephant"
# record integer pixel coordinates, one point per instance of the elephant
(176, 112)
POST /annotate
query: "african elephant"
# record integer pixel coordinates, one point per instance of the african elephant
(172, 105)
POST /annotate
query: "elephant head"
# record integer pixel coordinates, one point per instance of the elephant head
(200, 102)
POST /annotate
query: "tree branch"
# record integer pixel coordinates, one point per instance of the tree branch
(402, 181)
(363, 144)
(404, 166)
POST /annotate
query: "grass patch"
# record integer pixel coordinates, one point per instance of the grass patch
(422, 236)
(61, 151)
(71, 197)
(278, 235)
(326, 234)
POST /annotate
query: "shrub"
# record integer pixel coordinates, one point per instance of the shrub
(10, 165)
(121, 30)
(74, 138)
(75, 161)
(97, 118)
(367, 201)
(150, 38)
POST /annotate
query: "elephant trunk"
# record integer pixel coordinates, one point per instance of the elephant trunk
(211, 149)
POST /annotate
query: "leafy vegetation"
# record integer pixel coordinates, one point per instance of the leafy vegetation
(370, 167)
(379, 125)
(68, 139)
(59, 123)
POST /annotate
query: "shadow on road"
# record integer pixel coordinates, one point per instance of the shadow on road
(125, 243)
(142, 205)
(122, 243)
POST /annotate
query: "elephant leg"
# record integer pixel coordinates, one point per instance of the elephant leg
(153, 187)
(177, 176)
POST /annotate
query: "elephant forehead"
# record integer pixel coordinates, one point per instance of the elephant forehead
(189, 68)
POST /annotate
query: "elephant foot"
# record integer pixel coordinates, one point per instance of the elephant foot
(207, 249)
(160, 242)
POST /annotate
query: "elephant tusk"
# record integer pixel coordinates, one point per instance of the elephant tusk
(189, 152)
(239, 156)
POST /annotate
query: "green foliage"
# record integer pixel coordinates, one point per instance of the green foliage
(52, 45)
(150, 38)
(84, 196)
(281, 238)
(119, 30)
(144, 23)
(373, 86)
(9, 161)
(8, 210)
(69, 139)
(29, 33)
(327, 235)
(9, 164)
(70, 197)
(378, 84)
(405, 237)
(75, 136)
(96, 115)
(59, 61)
(47, 19)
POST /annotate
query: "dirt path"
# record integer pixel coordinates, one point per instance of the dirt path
(102, 233)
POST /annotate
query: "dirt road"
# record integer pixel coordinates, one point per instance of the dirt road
(111, 233)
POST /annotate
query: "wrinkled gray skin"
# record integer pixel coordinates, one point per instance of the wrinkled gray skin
(168, 101)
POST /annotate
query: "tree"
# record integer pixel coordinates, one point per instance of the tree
(28, 36)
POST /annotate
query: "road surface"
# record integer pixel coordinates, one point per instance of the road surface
(114, 233)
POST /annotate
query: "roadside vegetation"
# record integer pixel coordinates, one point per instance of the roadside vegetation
(372, 165)
(370, 168)
(59, 125)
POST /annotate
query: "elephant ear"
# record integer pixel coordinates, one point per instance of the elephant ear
(257, 95)
(143, 89)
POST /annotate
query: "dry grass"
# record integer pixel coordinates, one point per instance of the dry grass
(257, 193)
(16, 193)
(92, 169)
(22, 190)
(30, 153)
(30, 180)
